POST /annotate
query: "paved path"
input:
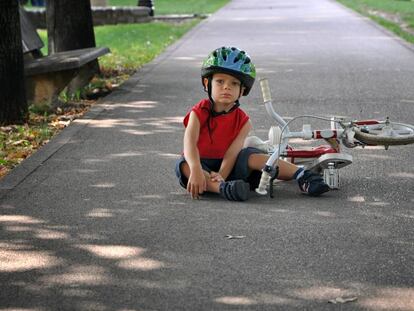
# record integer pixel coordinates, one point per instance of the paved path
(97, 221)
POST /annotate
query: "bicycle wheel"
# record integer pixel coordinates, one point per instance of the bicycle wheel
(385, 133)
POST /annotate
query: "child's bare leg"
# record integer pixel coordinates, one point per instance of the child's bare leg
(212, 186)
(286, 169)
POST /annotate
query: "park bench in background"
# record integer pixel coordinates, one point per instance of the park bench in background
(47, 76)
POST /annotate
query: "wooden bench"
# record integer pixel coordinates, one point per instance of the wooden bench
(47, 76)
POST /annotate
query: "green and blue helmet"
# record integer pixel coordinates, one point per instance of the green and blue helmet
(232, 61)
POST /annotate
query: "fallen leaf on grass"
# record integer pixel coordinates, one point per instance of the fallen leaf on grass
(64, 123)
(19, 154)
(109, 86)
(66, 118)
(342, 300)
(6, 128)
(60, 124)
(20, 142)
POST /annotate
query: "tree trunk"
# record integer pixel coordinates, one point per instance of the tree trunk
(69, 25)
(13, 104)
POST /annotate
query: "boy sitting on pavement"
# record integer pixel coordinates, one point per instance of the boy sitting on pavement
(214, 159)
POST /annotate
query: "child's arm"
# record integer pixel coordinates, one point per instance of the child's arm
(196, 181)
(231, 154)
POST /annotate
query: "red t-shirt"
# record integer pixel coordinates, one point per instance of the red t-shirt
(223, 129)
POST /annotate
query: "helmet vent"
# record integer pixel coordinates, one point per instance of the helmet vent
(224, 54)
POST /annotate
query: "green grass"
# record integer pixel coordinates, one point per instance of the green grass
(404, 9)
(133, 45)
(178, 6)
(394, 28)
(396, 6)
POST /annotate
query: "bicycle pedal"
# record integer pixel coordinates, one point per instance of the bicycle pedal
(331, 177)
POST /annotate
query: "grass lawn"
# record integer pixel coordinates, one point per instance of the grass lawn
(395, 15)
(133, 45)
(177, 7)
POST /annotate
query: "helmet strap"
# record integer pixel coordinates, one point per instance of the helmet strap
(241, 90)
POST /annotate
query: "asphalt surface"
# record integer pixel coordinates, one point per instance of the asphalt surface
(97, 221)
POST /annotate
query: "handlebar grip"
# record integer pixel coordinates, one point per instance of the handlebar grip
(264, 83)
(264, 182)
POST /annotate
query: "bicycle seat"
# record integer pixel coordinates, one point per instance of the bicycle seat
(310, 153)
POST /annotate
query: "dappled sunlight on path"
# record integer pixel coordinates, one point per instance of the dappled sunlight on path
(368, 297)
(101, 223)
(76, 263)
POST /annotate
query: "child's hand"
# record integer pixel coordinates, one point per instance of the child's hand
(214, 176)
(196, 184)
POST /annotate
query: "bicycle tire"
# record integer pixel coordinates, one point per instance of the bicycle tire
(375, 135)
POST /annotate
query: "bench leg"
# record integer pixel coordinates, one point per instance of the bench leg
(43, 90)
(83, 77)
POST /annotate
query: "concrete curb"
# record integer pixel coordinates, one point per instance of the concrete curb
(179, 17)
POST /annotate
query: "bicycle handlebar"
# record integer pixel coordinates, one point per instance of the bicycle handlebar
(264, 83)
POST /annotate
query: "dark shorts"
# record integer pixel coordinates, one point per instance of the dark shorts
(240, 170)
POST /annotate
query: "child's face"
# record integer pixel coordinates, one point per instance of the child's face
(225, 89)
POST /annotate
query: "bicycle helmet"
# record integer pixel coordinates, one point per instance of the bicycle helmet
(232, 61)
